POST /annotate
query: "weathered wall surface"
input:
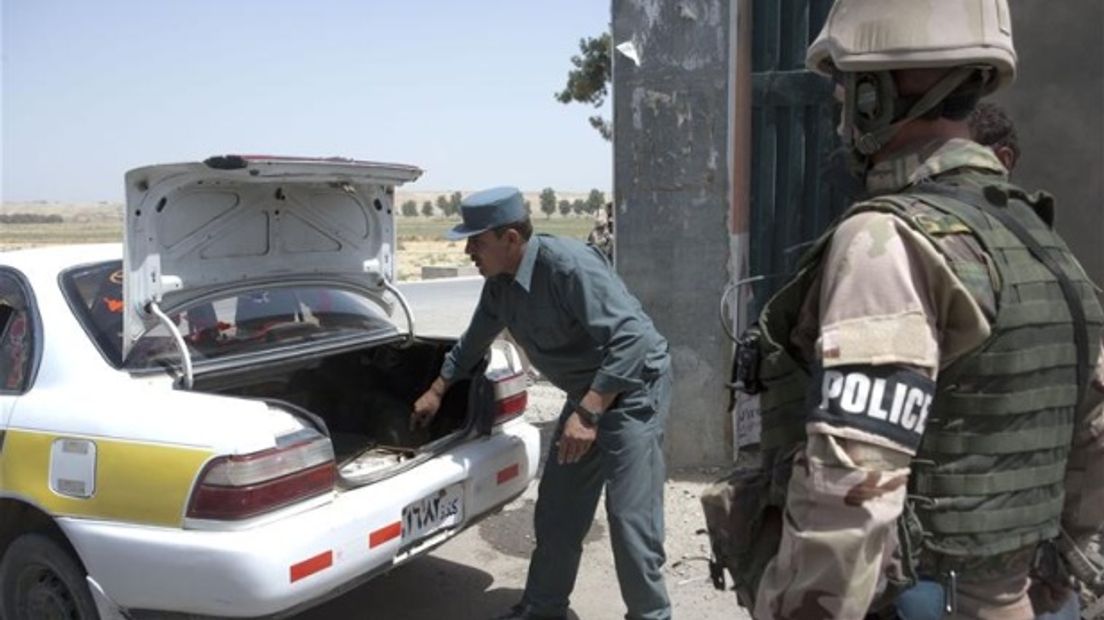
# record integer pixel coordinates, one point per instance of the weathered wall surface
(671, 190)
(1057, 103)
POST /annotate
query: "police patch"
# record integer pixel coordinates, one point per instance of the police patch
(889, 401)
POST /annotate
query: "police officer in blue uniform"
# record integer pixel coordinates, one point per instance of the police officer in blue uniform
(584, 331)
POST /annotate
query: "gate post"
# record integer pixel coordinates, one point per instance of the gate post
(672, 196)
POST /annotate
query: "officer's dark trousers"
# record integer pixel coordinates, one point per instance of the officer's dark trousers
(627, 459)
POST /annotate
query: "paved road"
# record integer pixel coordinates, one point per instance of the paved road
(442, 307)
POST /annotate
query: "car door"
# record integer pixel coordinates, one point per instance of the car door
(18, 344)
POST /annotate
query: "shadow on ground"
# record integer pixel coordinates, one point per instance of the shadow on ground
(511, 531)
(426, 587)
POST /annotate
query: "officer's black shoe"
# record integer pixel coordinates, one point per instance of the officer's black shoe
(520, 612)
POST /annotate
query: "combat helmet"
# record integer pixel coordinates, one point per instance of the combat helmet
(864, 40)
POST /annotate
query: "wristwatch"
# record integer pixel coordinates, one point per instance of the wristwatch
(589, 418)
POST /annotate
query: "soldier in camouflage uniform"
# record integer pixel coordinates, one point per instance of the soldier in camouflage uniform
(601, 236)
(920, 375)
(991, 126)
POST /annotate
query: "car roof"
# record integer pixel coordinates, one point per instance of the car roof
(47, 261)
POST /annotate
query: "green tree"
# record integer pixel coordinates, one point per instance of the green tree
(578, 205)
(548, 201)
(589, 81)
(595, 201)
(454, 204)
(528, 208)
(427, 209)
(443, 204)
(410, 209)
(565, 208)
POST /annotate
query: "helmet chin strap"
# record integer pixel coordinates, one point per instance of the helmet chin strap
(875, 133)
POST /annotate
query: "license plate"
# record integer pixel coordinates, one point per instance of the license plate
(436, 511)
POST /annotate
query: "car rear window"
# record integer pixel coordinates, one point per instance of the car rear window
(96, 294)
(243, 323)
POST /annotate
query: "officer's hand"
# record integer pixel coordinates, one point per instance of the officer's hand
(424, 409)
(575, 440)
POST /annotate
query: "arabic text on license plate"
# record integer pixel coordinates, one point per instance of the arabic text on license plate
(442, 509)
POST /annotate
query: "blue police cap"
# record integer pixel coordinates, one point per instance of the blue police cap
(488, 209)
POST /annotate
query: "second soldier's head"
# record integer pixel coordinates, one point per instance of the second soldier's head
(897, 62)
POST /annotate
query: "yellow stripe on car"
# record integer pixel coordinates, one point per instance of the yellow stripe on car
(135, 482)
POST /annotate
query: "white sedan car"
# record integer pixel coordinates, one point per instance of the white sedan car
(213, 419)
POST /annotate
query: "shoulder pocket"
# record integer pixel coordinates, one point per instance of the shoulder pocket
(939, 224)
(964, 253)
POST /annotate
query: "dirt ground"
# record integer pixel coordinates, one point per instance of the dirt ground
(481, 572)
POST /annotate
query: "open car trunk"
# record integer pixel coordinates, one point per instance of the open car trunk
(363, 399)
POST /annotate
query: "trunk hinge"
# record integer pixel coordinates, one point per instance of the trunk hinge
(186, 357)
(406, 310)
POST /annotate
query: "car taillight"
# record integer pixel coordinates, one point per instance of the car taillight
(510, 397)
(243, 486)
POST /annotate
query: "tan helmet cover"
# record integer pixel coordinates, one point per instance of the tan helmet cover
(882, 35)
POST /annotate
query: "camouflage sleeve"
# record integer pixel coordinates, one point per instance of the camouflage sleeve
(1084, 508)
(888, 300)
(837, 537)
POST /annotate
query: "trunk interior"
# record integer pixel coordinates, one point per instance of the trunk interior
(364, 397)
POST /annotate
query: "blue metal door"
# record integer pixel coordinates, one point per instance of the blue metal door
(794, 192)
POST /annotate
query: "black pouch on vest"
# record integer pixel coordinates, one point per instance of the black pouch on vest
(743, 516)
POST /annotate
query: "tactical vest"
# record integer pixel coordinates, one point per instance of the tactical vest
(987, 483)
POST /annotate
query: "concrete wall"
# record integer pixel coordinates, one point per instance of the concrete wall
(1057, 104)
(671, 194)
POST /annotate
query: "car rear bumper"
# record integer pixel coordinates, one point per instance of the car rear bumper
(290, 561)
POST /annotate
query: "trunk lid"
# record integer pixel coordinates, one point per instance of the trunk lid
(195, 230)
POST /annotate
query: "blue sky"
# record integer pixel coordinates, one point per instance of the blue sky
(463, 89)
